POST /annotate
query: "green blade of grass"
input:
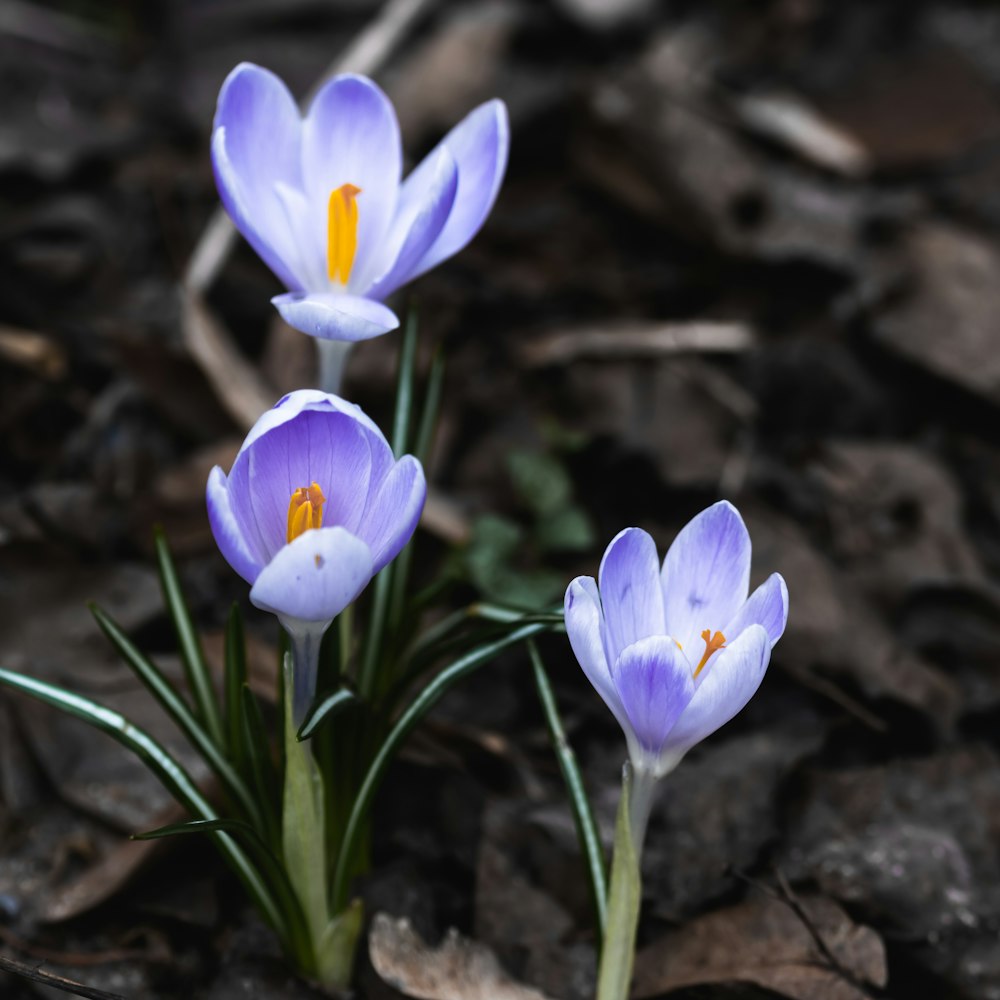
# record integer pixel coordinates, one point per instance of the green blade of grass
(234, 679)
(266, 859)
(196, 669)
(171, 773)
(413, 714)
(583, 814)
(175, 706)
(261, 765)
(325, 708)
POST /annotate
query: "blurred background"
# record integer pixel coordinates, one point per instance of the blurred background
(744, 249)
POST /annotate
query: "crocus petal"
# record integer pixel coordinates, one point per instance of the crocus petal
(767, 606)
(328, 448)
(334, 316)
(706, 574)
(351, 136)
(418, 223)
(584, 623)
(630, 591)
(314, 577)
(654, 683)
(255, 103)
(479, 144)
(731, 678)
(293, 403)
(229, 535)
(394, 510)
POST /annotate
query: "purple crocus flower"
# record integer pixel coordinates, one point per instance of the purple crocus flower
(320, 200)
(676, 651)
(314, 507)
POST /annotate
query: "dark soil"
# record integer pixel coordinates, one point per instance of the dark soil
(748, 250)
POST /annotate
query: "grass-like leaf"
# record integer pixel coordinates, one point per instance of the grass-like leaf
(171, 773)
(427, 698)
(234, 679)
(266, 860)
(178, 710)
(261, 766)
(583, 814)
(421, 449)
(196, 668)
(404, 386)
(325, 708)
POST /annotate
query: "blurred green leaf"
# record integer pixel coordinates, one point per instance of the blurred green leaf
(566, 530)
(540, 481)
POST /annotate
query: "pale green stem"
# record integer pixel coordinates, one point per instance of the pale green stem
(306, 639)
(643, 787)
(614, 974)
(332, 361)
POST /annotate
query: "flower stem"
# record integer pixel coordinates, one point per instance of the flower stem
(332, 361)
(643, 786)
(306, 639)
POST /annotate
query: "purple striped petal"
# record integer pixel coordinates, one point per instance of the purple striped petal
(629, 580)
(327, 448)
(230, 536)
(479, 145)
(584, 624)
(315, 577)
(654, 683)
(706, 574)
(335, 316)
(729, 682)
(351, 136)
(394, 510)
(293, 403)
(255, 103)
(767, 606)
(419, 223)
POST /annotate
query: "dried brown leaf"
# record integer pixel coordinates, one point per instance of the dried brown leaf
(457, 969)
(765, 942)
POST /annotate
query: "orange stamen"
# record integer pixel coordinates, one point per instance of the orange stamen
(713, 643)
(305, 510)
(341, 232)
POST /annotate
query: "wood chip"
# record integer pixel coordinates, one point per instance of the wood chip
(637, 340)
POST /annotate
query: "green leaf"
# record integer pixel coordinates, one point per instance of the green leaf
(568, 529)
(303, 831)
(583, 815)
(338, 945)
(618, 952)
(175, 706)
(234, 679)
(422, 446)
(261, 766)
(268, 863)
(540, 480)
(410, 717)
(199, 676)
(404, 386)
(325, 708)
(174, 777)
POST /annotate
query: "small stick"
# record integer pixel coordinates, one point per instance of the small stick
(36, 975)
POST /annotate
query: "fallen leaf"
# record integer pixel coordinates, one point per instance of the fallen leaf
(955, 288)
(765, 942)
(457, 969)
